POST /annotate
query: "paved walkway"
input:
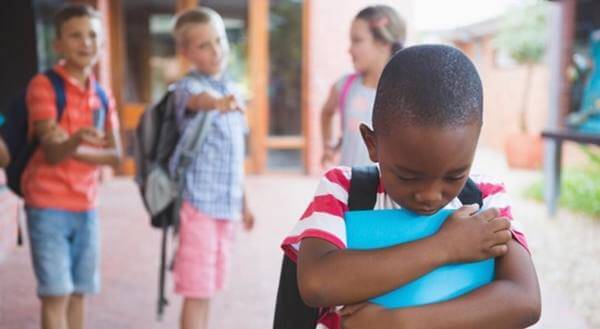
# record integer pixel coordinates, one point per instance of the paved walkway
(130, 262)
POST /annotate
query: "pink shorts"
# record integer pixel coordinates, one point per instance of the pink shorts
(203, 253)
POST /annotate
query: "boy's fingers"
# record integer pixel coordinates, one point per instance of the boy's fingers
(499, 250)
(57, 135)
(502, 237)
(91, 131)
(488, 214)
(500, 223)
(94, 140)
(467, 210)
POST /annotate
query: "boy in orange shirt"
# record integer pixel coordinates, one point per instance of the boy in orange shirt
(60, 181)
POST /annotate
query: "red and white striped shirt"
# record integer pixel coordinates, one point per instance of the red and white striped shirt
(324, 217)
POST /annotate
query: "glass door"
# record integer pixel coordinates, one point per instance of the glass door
(285, 141)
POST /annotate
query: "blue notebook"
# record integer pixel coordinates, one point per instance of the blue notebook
(373, 229)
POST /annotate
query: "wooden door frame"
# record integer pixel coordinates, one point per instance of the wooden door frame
(308, 147)
(266, 142)
(258, 73)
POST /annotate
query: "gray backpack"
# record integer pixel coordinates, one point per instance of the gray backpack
(157, 136)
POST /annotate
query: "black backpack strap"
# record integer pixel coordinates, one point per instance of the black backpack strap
(363, 187)
(471, 194)
(58, 84)
(365, 180)
(290, 310)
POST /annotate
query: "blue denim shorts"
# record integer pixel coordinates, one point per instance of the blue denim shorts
(65, 251)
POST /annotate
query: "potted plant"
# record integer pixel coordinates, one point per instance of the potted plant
(523, 38)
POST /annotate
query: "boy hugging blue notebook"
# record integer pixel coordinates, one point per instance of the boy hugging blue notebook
(374, 229)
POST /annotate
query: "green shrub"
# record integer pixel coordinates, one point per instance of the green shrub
(580, 189)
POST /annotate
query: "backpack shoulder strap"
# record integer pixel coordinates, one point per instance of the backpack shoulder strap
(365, 180)
(103, 97)
(471, 194)
(103, 114)
(363, 187)
(58, 84)
(191, 140)
(290, 310)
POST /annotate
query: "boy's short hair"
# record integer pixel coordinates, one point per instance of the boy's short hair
(199, 15)
(70, 11)
(428, 85)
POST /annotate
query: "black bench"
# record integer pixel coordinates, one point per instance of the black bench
(553, 159)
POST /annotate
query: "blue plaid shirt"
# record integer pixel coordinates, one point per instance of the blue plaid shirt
(215, 178)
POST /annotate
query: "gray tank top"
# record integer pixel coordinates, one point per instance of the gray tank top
(358, 108)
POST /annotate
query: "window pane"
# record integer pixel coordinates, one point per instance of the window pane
(285, 81)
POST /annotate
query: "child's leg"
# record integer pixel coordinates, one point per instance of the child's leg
(76, 311)
(49, 231)
(194, 313)
(54, 310)
(85, 266)
(200, 263)
(64, 249)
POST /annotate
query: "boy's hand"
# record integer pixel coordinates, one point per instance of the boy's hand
(227, 103)
(91, 136)
(467, 236)
(55, 134)
(248, 219)
(367, 315)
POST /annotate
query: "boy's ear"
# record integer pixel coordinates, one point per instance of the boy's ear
(368, 136)
(183, 51)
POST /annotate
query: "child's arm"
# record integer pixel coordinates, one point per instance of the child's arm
(327, 114)
(204, 101)
(4, 155)
(512, 300)
(329, 276)
(110, 155)
(57, 145)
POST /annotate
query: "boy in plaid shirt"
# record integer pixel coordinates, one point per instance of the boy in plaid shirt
(213, 197)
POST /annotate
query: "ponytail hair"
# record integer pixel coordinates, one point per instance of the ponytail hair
(385, 25)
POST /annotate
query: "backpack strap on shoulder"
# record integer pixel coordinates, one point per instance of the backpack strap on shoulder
(103, 97)
(471, 194)
(365, 180)
(58, 84)
(363, 187)
(103, 111)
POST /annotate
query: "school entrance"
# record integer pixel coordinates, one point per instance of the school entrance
(285, 54)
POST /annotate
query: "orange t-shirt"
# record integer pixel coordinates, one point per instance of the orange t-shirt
(72, 184)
